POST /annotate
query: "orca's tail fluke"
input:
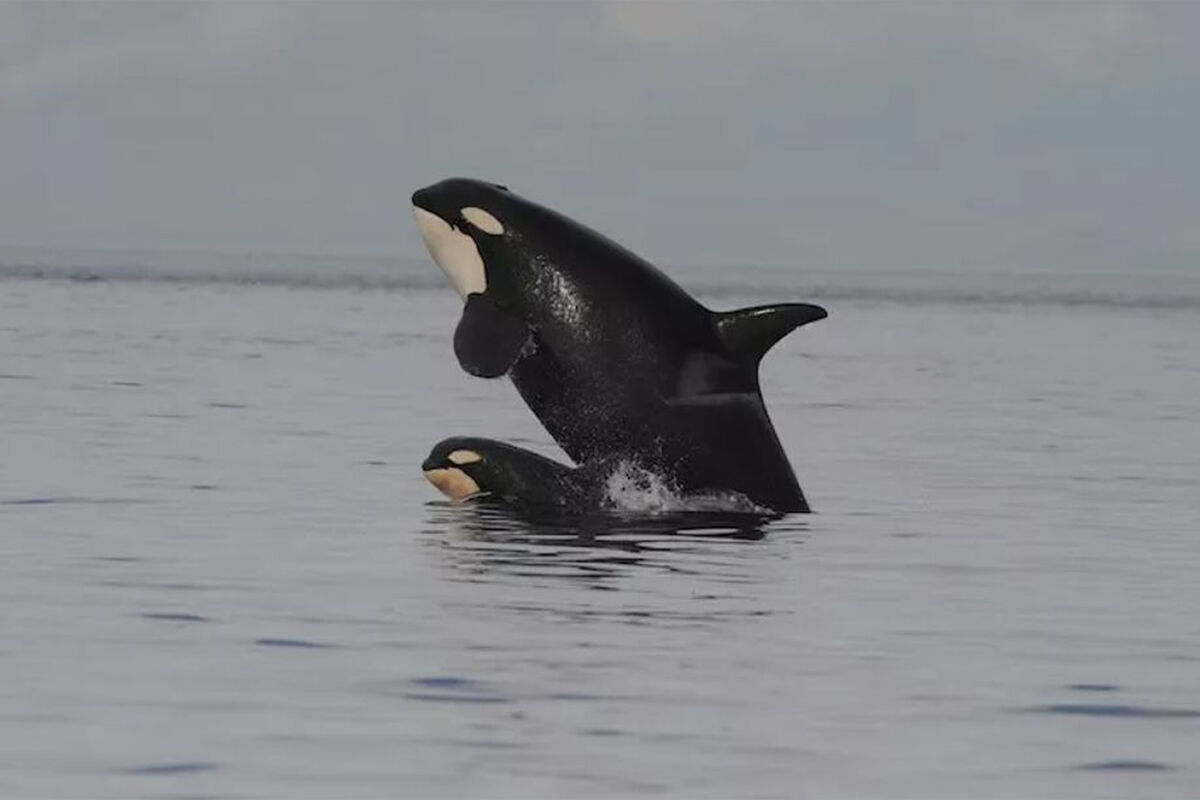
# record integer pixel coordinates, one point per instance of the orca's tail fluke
(749, 333)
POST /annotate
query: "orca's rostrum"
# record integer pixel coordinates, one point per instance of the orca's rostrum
(614, 358)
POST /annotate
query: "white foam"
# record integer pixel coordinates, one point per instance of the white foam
(631, 487)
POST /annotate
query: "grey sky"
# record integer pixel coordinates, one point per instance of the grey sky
(844, 134)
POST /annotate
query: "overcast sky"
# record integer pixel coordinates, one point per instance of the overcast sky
(944, 135)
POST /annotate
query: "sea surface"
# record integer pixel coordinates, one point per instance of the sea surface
(222, 574)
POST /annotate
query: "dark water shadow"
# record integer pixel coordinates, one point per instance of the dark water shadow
(1125, 765)
(487, 539)
(62, 501)
(171, 768)
(300, 644)
(1114, 711)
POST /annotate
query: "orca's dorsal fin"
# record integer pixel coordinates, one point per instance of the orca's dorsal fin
(748, 333)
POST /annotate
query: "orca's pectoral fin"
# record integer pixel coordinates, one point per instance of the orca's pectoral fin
(749, 333)
(488, 339)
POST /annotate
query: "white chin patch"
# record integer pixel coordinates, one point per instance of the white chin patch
(482, 220)
(454, 483)
(454, 252)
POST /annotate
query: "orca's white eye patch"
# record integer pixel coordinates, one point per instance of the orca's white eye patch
(464, 457)
(482, 220)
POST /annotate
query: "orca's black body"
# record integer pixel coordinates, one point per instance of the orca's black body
(614, 358)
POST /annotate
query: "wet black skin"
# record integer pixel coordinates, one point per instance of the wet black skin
(520, 477)
(613, 357)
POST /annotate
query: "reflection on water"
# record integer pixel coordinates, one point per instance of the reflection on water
(597, 529)
(509, 540)
(556, 616)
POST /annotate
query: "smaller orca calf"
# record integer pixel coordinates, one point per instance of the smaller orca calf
(467, 468)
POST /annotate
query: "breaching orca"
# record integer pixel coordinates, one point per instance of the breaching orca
(613, 357)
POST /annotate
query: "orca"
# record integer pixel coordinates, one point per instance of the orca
(472, 468)
(613, 357)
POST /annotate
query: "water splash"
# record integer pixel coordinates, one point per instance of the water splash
(632, 488)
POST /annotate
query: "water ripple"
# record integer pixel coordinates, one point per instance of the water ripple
(297, 643)
(165, 616)
(47, 501)
(1125, 765)
(437, 688)
(172, 768)
(1102, 710)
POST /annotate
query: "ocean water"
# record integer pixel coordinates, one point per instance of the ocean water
(222, 574)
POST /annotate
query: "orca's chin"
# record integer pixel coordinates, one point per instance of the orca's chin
(455, 252)
(454, 483)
